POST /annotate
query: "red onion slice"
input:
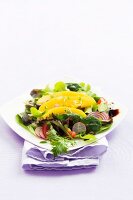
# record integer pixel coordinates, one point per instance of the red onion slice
(100, 115)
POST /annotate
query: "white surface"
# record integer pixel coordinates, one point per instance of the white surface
(89, 39)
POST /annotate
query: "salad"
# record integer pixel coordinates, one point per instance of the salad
(65, 113)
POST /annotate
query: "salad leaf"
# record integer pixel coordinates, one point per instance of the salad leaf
(35, 93)
(73, 86)
(95, 108)
(87, 87)
(59, 147)
(43, 141)
(36, 113)
(102, 107)
(104, 128)
(46, 90)
(73, 117)
(88, 137)
(59, 144)
(82, 84)
(96, 98)
(93, 124)
(20, 122)
(59, 86)
(59, 124)
(26, 118)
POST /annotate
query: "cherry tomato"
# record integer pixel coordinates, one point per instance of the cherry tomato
(73, 134)
(99, 101)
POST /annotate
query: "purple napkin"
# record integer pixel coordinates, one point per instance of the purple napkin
(36, 158)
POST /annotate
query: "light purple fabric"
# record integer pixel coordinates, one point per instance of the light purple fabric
(36, 158)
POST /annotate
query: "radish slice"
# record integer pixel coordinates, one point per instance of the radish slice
(100, 115)
(39, 132)
(79, 127)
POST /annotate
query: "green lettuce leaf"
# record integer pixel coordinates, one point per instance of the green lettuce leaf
(36, 113)
(20, 122)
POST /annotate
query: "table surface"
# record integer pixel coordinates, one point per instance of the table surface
(90, 40)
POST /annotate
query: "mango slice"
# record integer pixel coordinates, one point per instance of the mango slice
(68, 101)
(63, 110)
(45, 98)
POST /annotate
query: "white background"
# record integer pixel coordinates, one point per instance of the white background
(92, 40)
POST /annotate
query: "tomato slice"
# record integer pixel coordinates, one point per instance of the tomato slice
(101, 100)
(45, 129)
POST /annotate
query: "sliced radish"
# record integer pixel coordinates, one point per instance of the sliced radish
(79, 127)
(39, 132)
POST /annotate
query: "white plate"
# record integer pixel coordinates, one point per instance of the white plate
(9, 111)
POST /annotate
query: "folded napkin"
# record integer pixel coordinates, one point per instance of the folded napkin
(36, 158)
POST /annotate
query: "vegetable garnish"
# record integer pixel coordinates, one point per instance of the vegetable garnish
(66, 113)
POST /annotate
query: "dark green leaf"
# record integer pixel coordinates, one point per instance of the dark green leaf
(73, 117)
(105, 128)
(92, 123)
(89, 137)
(59, 144)
(96, 98)
(73, 86)
(59, 148)
(59, 124)
(43, 142)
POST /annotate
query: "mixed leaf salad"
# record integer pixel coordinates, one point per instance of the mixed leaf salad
(65, 113)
